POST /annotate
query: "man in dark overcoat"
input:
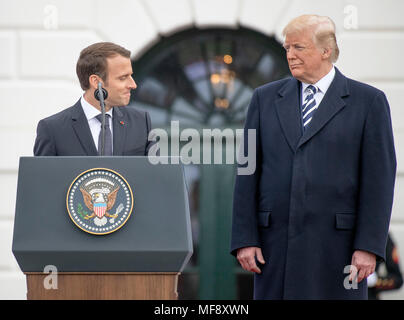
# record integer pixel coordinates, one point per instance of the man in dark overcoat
(313, 218)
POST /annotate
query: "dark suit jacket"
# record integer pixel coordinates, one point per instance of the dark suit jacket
(67, 133)
(316, 196)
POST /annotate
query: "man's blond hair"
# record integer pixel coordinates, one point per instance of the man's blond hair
(323, 29)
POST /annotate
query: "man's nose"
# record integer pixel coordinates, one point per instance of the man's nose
(290, 54)
(132, 84)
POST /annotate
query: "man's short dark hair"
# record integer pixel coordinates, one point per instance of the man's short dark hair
(93, 60)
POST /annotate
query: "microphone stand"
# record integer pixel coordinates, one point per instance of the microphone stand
(102, 104)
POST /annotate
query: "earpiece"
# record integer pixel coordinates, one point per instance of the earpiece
(104, 93)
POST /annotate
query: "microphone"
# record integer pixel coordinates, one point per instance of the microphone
(101, 98)
(97, 93)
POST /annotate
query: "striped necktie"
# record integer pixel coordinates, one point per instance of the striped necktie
(309, 105)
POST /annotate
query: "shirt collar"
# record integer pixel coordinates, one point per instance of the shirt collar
(90, 111)
(324, 83)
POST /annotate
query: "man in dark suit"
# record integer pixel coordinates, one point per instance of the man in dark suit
(318, 205)
(75, 131)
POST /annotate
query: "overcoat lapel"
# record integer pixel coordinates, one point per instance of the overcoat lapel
(331, 104)
(287, 107)
(82, 130)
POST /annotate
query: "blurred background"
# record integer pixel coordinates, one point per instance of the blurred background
(196, 62)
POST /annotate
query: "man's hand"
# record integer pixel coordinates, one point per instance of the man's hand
(365, 263)
(246, 257)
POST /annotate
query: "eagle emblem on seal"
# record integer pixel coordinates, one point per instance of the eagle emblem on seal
(99, 202)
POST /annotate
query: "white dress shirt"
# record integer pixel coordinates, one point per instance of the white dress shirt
(322, 85)
(95, 126)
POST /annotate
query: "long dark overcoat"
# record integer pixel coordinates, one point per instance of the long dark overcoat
(318, 195)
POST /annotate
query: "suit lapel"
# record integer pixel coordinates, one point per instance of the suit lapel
(82, 130)
(331, 104)
(119, 126)
(287, 107)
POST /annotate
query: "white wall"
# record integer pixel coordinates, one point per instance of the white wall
(40, 41)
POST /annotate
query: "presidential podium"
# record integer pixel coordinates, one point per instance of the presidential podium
(101, 227)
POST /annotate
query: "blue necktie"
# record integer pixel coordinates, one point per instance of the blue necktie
(309, 105)
(108, 136)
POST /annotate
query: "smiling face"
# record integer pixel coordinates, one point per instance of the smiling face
(307, 62)
(119, 81)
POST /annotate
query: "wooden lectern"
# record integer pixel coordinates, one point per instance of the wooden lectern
(142, 259)
(104, 286)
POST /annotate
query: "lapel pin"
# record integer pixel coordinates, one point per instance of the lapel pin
(122, 123)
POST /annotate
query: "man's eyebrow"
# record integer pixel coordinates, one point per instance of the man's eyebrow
(297, 43)
(125, 75)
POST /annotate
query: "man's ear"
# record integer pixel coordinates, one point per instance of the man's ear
(326, 53)
(93, 80)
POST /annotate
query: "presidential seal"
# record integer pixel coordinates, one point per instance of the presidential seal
(99, 201)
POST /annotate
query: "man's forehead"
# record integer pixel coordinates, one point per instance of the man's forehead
(298, 37)
(119, 64)
(118, 60)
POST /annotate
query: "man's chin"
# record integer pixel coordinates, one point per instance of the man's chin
(123, 103)
(299, 76)
(295, 73)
